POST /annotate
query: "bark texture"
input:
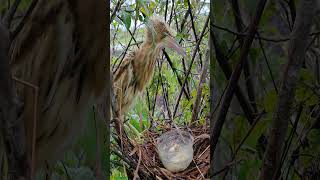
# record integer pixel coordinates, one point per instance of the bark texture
(11, 127)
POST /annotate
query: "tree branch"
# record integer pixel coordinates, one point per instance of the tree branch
(246, 67)
(217, 127)
(296, 54)
(196, 105)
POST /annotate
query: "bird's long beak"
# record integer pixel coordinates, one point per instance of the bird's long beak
(171, 43)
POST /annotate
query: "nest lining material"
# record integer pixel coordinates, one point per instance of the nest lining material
(146, 160)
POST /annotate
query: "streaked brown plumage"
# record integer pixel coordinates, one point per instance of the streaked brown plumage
(136, 70)
(62, 50)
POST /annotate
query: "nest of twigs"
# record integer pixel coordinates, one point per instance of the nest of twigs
(146, 163)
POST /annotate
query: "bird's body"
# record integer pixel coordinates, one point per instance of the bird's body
(61, 50)
(136, 70)
(128, 82)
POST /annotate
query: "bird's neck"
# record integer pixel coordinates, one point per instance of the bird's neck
(145, 62)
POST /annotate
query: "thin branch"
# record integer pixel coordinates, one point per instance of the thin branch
(217, 127)
(194, 28)
(246, 67)
(275, 40)
(227, 70)
(190, 66)
(296, 54)
(116, 9)
(199, 90)
(268, 65)
(185, 91)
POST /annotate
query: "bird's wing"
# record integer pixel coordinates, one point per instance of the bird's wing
(123, 78)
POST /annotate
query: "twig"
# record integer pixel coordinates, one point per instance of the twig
(137, 168)
(248, 133)
(115, 10)
(246, 66)
(176, 73)
(275, 40)
(199, 90)
(267, 62)
(194, 28)
(198, 169)
(190, 66)
(227, 70)
(65, 170)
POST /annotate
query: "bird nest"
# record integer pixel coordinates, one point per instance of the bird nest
(145, 162)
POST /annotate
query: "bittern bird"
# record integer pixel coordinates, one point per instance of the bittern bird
(136, 69)
(62, 50)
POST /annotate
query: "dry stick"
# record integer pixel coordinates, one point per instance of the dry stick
(246, 67)
(215, 133)
(198, 169)
(34, 128)
(296, 54)
(137, 168)
(190, 66)
(199, 90)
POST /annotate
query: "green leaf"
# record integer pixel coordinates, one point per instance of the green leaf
(126, 18)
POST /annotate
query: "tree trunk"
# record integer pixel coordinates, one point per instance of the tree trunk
(11, 127)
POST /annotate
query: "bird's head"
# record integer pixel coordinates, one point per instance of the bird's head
(160, 34)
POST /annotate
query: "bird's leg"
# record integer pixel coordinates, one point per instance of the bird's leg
(34, 129)
(118, 115)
